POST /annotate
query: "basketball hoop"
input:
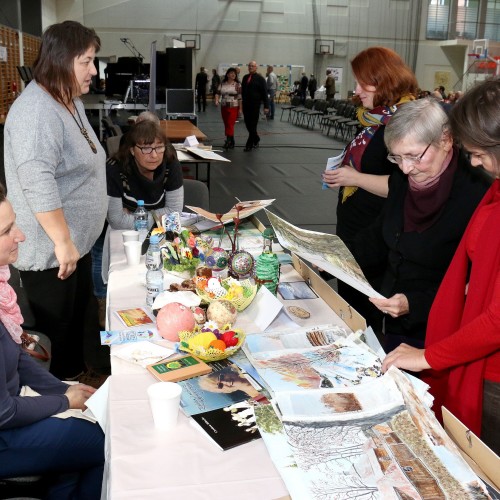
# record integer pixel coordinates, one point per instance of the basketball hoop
(325, 52)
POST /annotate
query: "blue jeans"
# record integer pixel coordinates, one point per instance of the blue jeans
(100, 288)
(70, 451)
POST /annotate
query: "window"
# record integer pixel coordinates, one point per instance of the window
(467, 19)
(438, 15)
(492, 24)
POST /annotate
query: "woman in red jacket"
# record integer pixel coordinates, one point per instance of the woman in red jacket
(462, 349)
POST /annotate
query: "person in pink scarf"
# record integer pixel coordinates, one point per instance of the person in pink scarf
(462, 347)
(69, 451)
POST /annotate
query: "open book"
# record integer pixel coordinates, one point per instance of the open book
(246, 208)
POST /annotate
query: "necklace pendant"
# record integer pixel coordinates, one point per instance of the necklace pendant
(85, 134)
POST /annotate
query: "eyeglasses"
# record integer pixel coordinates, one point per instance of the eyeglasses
(413, 160)
(147, 150)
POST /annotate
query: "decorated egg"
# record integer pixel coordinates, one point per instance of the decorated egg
(241, 264)
(174, 318)
(222, 312)
(199, 315)
(217, 260)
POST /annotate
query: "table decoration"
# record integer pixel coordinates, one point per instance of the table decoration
(172, 319)
(239, 293)
(210, 343)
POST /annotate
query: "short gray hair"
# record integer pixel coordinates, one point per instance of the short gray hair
(149, 116)
(424, 120)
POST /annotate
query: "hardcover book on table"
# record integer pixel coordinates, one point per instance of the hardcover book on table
(229, 427)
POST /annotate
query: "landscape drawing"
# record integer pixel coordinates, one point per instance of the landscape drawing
(398, 452)
(338, 365)
(300, 338)
(327, 251)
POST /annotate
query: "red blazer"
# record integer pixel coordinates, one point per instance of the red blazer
(456, 319)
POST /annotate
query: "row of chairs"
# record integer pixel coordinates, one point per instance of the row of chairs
(338, 116)
(342, 118)
(306, 114)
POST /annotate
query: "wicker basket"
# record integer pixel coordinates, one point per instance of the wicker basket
(210, 354)
(241, 303)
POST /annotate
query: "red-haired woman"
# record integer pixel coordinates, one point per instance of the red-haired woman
(383, 83)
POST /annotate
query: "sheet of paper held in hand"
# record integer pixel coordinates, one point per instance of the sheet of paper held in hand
(327, 251)
(247, 208)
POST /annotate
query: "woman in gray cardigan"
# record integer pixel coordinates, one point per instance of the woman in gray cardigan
(56, 177)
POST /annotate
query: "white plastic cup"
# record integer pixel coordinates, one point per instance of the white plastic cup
(133, 252)
(130, 236)
(164, 399)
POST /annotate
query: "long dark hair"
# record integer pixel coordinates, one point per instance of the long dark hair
(144, 132)
(53, 67)
(3, 193)
(235, 75)
(475, 118)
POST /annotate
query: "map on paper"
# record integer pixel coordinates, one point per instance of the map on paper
(327, 251)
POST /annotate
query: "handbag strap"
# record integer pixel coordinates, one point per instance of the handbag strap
(27, 340)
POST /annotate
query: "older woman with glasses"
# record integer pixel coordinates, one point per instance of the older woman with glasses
(430, 201)
(462, 344)
(145, 168)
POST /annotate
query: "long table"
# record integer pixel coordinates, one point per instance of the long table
(144, 463)
(178, 130)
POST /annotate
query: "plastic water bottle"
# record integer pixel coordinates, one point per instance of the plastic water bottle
(141, 220)
(153, 255)
(154, 275)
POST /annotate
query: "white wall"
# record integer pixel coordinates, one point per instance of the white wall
(272, 32)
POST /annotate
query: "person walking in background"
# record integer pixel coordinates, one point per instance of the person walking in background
(200, 86)
(304, 81)
(229, 98)
(214, 83)
(329, 85)
(272, 86)
(462, 344)
(312, 86)
(56, 177)
(254, 95)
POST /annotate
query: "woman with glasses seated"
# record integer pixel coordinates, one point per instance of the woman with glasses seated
(145, 168)
(431, 198)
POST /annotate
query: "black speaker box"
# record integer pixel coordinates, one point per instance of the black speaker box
(179, 68)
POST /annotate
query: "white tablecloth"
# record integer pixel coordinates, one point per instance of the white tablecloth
(142, 463)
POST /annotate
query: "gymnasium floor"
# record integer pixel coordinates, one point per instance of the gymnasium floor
(286, 166)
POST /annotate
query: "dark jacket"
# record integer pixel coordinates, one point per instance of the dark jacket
(201, 82)
(18, 369)
(415, 263)
(255, 92)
